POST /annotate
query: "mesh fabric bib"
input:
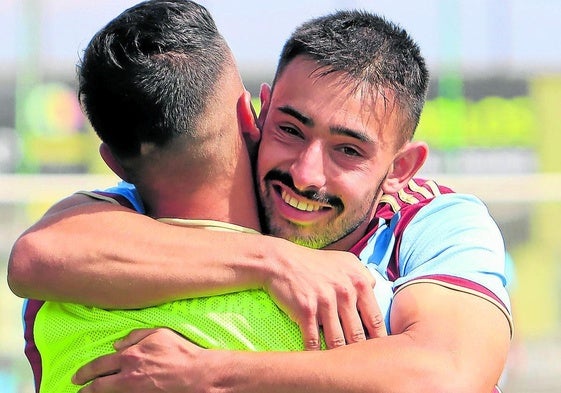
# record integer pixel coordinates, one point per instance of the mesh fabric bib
(70, 335)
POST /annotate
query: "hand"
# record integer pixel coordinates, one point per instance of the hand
(147, 360)
(332, 289)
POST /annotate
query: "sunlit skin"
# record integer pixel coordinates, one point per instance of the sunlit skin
(324, 156)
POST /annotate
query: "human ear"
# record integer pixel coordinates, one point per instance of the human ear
(406, 163)
(112, 161)
(265, 97)
(246, 118)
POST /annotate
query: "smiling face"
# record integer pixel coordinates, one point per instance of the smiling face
(324, 156)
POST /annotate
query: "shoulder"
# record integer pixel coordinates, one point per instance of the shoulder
(396, 211)
(415, 195)
(445, 223)
(425, 203)
(124, 194)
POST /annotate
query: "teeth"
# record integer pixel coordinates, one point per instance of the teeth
(300, 205)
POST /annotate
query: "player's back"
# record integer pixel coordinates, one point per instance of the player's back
(69, 335)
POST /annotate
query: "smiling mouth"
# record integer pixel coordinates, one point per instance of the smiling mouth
(301, 205)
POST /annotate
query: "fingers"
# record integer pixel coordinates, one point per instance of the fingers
(109, 364)
(351, 321)
(133, 338)
(323, 312)
(310, 333)
(340, 319)
(102, 366)
(332, 327)
(354, 315)
(370, 312)
(107, 384)
(371, 316)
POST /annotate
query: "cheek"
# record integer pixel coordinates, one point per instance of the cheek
(359, 190)
(272, 154)
(263, 160)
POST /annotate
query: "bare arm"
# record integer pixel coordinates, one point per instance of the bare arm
(96, 253)
(446, 341)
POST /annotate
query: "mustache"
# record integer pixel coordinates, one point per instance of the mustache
(311, 194)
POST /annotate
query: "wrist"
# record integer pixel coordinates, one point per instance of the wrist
(253, 264)
(221, 370)
(276, 263)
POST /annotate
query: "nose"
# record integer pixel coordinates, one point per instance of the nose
(308, 170)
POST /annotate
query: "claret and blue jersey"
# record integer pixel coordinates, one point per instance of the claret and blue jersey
(428, 233)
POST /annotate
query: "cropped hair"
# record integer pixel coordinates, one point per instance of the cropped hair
(370, 52)
(148, 74)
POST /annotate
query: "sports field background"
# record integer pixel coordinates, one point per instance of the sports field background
(493, 121)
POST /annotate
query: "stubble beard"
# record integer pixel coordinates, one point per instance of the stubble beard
(313, 236)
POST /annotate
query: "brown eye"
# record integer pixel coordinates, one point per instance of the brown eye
(349, 151)
(290, 130)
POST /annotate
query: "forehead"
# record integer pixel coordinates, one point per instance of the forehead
(335, 100)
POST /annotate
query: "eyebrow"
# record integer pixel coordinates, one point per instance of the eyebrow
(337, 130)
(307, 121)
(361, 136)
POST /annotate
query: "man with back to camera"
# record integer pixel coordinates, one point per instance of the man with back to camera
(308, 142)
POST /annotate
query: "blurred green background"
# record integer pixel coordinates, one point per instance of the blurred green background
(493, 121)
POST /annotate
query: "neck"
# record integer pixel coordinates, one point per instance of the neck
(209, 203)
(229, 197)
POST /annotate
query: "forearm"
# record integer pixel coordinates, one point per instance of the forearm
(456, 342)
(109, 256)
(378, 365)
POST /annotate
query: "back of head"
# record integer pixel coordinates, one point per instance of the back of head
(370, 52)
(148, 75)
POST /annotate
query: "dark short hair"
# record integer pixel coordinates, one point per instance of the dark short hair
(370, 51)
(147, 75)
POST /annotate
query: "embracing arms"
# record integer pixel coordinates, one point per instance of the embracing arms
(449, 320)
(445, 341)
(97, 253)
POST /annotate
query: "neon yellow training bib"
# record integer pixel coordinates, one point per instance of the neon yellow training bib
(70, 335)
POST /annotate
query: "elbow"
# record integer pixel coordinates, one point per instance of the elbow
(452, 379)
(21, 271)
(467, 384)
